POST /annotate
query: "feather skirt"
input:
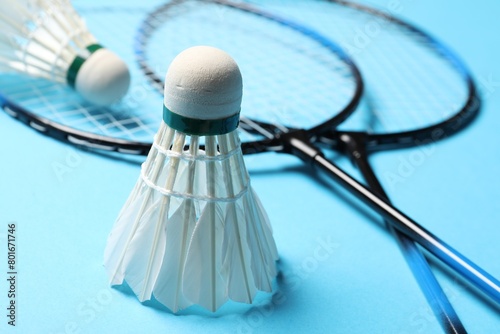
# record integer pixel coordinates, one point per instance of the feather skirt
(193, 231)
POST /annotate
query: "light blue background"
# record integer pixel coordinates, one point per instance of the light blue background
(362, 286)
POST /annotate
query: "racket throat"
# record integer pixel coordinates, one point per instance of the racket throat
(298, 143)
(354, 146)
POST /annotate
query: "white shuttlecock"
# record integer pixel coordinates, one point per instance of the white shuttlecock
(193, 230)
(48, 39)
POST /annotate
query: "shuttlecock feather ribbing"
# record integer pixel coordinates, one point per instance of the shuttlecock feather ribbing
(193, 231)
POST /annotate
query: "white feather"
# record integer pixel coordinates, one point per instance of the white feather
(131, 216)
(42, 38)
(258, 234)
(143, 257)
(179, 231)
(237, 255)
(157, 248)
(203, 283)
(120, 238)
(261, 242)
(168, 289)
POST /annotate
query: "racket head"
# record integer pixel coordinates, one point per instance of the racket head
(287, 69)
(416, 88)
(455, 100)
(293, 77)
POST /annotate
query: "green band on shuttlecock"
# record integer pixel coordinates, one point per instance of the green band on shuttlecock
(73, 70)
(77, 64)
(94, 47)
(200, 127)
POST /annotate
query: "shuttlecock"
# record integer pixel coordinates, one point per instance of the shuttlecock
(193, 230)
(47, 38)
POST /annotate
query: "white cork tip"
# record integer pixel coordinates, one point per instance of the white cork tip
(103, 79)
(204, 83)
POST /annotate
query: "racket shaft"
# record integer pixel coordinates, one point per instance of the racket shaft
(437, 299)
(296, 144)
(463, 266)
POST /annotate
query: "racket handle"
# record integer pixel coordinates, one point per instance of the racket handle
(297, 143)
(355, 146)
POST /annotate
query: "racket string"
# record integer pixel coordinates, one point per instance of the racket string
(290, 79)
(411, 81)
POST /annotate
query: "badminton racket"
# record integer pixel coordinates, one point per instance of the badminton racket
(158, 23)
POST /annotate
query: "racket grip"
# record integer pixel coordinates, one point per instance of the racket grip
(355, 146)
(297, 143)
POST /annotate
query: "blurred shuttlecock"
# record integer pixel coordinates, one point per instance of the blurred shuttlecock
(193, 231)
(47, 38)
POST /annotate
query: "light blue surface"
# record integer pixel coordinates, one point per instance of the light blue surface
(64, 202)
